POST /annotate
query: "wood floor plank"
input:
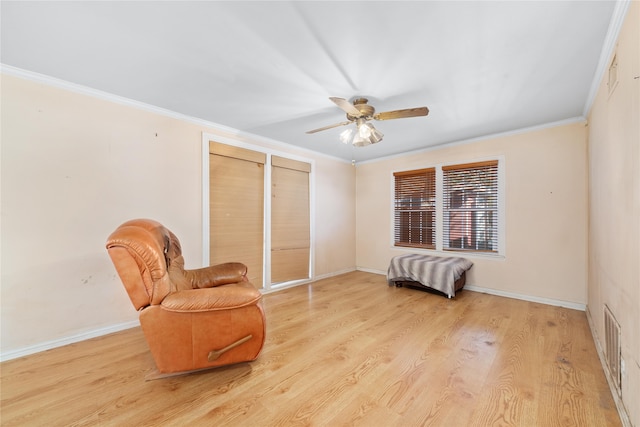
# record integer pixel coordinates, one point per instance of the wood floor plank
(344, 351)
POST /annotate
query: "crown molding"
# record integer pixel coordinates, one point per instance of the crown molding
(211, 127)
(572, 120)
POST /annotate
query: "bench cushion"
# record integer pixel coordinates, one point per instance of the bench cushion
(435, 272)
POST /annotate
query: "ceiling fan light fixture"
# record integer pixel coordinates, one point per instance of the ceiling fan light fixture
(359, 141)
(364, 128)
(345, 136)
(370, 133)
(365, 134)
(376, 135)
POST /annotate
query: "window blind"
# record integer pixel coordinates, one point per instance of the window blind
(415, 208)
(470, 193)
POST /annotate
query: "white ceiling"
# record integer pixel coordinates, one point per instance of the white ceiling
(268, 67)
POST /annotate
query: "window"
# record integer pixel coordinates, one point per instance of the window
(415, 208)
(450, 208)
(470, 220)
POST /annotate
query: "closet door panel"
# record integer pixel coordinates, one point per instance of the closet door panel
(289, 264)
(236, 211)
(290, 224)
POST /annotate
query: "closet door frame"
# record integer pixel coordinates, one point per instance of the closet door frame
(266, 274)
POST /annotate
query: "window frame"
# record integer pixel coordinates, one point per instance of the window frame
(465, 218)
(440, 212)
(422, 209)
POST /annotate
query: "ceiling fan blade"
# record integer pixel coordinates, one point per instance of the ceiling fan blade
(328, 127)
(401, 114)
(346, 106)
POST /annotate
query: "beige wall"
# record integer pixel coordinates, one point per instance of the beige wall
(545, 203)
(74, 167)
(614, 208)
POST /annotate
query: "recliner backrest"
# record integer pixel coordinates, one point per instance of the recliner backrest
(140, 250)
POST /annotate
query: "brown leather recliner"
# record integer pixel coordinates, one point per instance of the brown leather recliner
(191, 319)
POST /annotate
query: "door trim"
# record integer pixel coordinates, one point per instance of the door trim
(266, 286)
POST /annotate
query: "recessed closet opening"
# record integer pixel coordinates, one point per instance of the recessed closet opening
(257, 209)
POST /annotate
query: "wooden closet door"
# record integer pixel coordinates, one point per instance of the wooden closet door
(236, 211)
(290, 229)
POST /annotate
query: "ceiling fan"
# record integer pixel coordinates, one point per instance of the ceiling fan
(359, 112)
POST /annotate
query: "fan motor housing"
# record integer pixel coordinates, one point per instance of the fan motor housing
(366, 110)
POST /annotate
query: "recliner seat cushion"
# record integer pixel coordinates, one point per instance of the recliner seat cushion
(212, 299)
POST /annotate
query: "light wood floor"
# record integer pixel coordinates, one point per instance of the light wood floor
(343, 351)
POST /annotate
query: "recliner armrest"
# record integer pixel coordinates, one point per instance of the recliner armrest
(212, 299)
(216, 275)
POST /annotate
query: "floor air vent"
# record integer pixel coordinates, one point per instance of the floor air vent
(612, 342)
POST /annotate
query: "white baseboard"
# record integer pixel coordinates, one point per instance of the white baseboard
(548, 301)
(370, 270)
(530, 298)
(336, 273)
(295, 283)
(622, 412)
(48, 345)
